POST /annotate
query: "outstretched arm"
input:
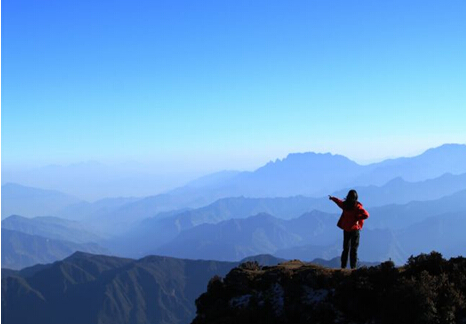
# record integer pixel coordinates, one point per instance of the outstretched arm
(337, 201)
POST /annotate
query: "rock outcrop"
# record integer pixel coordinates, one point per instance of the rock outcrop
(428, 289)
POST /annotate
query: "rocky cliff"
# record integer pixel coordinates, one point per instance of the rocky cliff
(428, 289)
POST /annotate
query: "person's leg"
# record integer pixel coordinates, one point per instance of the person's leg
(346, 245)
(354, 249)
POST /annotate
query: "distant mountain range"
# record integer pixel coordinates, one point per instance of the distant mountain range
(399, 191)
(448, 158)
(313, 235)
(392, 231)
(282, 209)
(307, 174)
(225, 231)
(401, 216)
(376, 245)
(312, 174)
(94, 180)
(164, 223)
(154, 232)
(20, 250)
(30, 202)
(51, 227)
(236, 239)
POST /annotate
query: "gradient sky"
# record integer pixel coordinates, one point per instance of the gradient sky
(211, 85)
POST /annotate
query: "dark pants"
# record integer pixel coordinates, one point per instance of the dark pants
(350, 245)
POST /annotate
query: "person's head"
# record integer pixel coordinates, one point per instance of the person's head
(352, 195)
(351, 199)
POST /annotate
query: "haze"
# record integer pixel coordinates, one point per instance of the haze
(193, 88)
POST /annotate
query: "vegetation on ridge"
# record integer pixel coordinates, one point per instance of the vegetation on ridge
(428, 289)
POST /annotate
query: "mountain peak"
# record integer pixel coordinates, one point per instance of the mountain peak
(310, 156)
(451, 148)
(79, 255)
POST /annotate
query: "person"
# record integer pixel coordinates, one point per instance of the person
(351, 222)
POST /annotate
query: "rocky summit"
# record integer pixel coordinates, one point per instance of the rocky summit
(428, 289)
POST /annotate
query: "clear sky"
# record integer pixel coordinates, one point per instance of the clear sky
(211, 85)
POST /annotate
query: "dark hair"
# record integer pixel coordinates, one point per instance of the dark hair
(351, 199)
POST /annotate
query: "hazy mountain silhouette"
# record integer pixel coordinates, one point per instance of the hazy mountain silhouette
(115, 215)
(88, 211)
(28, 201)
(238, 238)
(313, 174)
(315, 234)
(443, 233)
(51, 227)
(307, 174)
(94, 180)
(21, 250)
(402, 216)
(399, 191)
(118, 220)
(155, 231)
(212, 179)
(448, 158)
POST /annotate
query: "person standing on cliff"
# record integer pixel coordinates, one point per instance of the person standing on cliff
(351, 222)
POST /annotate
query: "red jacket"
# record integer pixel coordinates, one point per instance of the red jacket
(353, 219)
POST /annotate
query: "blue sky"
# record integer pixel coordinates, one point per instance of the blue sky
(211, 85)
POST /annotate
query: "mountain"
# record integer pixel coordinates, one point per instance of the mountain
(313, 174)
(375, 246)
(51, 227)
(89, 289)
(399, 191)
(308, 174)
(397, 231)
(212, 179)
(428, 289)
(86, 211)
(242, 207)
(238, 238)
(448, 158)
(443, 233)
(155, 231)
(92, 180)
(402, 216)
(119, 219)
(208, 189)
(172, 232)
(387, 234)
(29, 202)
(21, 250)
